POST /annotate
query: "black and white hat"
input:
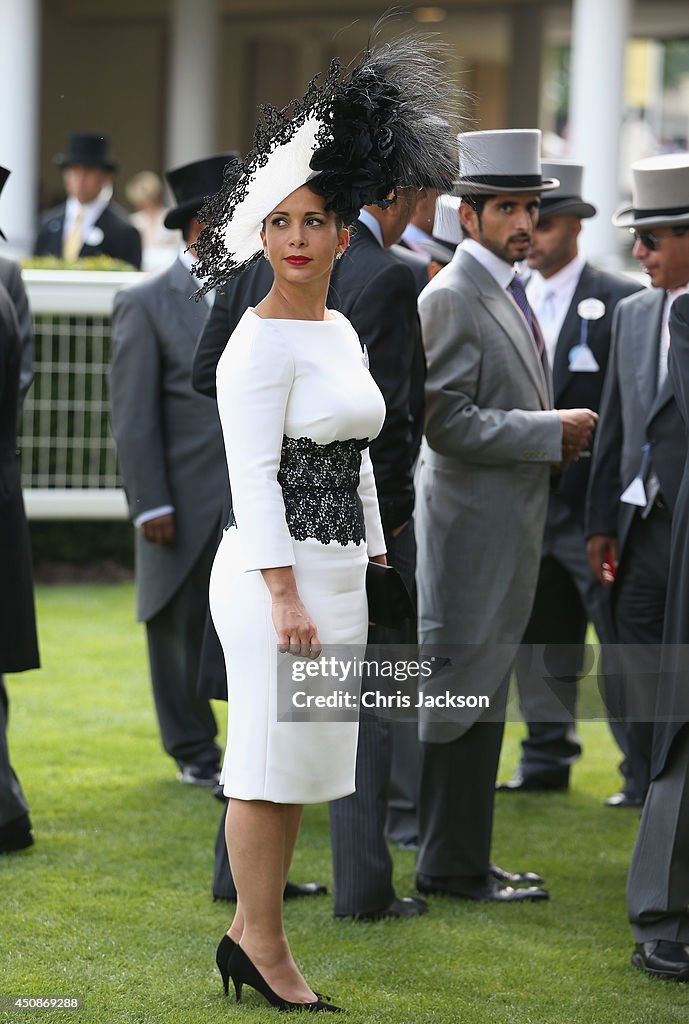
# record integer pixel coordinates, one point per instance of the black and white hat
(660, 193)
(356, 136)
(501, 161)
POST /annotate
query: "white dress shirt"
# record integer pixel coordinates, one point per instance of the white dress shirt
(413, 235)
(551, 297)
(500, 271)
(373, 226)
(90, 212)
(670, 297)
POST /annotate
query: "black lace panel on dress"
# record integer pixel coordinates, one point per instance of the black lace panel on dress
(319, 486)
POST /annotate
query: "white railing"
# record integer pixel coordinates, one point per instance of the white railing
(69, 465)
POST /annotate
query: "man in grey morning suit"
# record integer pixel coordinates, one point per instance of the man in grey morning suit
(638, 457)
(658, 884)
(574, 304)
(172, 461)
(491, 439)
(640, 454)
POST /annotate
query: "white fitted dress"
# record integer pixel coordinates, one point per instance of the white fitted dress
(297, 406)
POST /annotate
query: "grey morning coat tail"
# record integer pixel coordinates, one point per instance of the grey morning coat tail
(169, 441)
(491, 437)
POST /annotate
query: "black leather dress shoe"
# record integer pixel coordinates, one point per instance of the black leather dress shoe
(199, 775)
(548, 782)
(663, 959)
(219, 793)
(472, 888)
(515, 877)
(623, 799)
(401, 906)
(293, 890)
(16, 835)
(410, 845)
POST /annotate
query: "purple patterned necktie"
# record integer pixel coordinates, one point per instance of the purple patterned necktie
(516, 287)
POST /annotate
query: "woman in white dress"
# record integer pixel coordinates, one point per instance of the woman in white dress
(298, 408)
(296, 402)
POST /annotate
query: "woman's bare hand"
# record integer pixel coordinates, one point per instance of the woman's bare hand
(296, 630)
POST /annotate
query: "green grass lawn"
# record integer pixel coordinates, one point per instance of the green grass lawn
(113, 903)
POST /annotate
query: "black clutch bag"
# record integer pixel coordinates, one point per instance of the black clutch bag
(389, 602)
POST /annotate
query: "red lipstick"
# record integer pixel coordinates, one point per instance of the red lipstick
(298, 261)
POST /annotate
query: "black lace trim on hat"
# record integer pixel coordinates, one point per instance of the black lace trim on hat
(275, 128)
(388, 121)
(319, 487)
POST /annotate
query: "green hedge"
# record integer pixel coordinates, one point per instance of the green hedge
(82, 543)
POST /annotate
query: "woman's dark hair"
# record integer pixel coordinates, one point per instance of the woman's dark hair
(312, 186)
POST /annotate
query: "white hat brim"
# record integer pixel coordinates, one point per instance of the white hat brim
(286, 168)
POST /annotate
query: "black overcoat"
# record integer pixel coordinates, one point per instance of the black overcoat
(18, 643)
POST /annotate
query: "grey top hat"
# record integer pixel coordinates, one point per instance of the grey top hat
(660, 193)
(501, 161)
(566, 198)
(437, 250)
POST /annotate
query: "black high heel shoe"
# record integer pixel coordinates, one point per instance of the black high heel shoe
(243, 972)
(226, 948)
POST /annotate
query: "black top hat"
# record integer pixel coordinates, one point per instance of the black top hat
(88, 149)
(191, 184)
(4, 175)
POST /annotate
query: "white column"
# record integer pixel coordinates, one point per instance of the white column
(192, 86)
(599, 38)
(19, 69)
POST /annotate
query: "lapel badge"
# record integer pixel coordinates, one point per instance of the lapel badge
(581, 358)
(591, 309)
(94, 237)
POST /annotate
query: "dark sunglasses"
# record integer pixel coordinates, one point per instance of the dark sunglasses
(652, 242)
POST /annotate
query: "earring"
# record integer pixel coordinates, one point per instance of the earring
(338, 255)
(265, 254)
